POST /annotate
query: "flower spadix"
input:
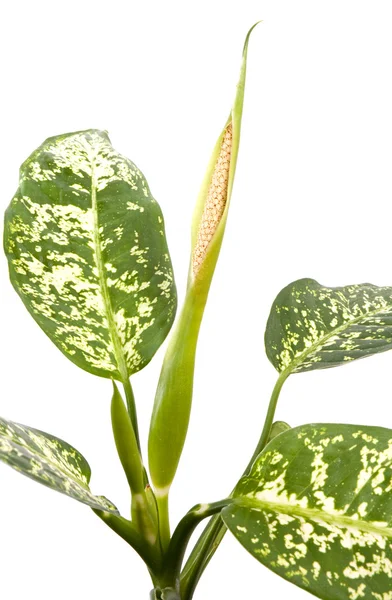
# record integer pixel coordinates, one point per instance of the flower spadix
(174, 394)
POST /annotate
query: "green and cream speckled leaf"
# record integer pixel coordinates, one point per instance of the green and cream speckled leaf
(87, 254)
(315, 327)
(50, 461)
(316, 508)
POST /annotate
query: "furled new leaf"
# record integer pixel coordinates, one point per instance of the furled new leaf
(50, 461)
(315, 327)
(88, 256)
(316, 508)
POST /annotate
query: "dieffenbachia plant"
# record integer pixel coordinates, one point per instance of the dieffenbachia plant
(87, 254)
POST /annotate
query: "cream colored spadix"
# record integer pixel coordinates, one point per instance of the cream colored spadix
(215, 201)
(173, 399)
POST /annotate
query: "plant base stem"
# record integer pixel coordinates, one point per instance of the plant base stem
(164, 522)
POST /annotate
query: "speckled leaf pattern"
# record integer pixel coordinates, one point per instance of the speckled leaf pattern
(87, 254)
(316, 327)
(316, 508)
(50, 461)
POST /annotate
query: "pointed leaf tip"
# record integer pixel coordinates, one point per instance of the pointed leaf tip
(246, 43)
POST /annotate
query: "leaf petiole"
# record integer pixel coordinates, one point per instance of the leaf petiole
(131, 407)
(215, 530)
(163, 519)
(182, 534)
(269, 417)
(129, 533)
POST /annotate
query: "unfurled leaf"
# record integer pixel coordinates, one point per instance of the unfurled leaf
(88, 256)
(50, 461)
(316, 508)
(315, 327)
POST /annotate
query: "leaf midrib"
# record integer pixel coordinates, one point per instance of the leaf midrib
(313, 514)
(113, 332)
(321, 342)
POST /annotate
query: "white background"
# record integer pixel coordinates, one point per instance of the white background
(312, 199)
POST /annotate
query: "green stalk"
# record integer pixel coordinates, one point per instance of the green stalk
(268, 419)
(128, 532)
(182, 535)
(163, 520)
(168, 584)
(131, 407)
(172, 405)
(214, 532)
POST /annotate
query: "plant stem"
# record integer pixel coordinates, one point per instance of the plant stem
(131, 407)
(128, 532)
(215, 530)
(164, 520)
(182, 535)
(269, 418)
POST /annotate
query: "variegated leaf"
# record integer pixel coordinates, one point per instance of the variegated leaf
(315, 327)
(316, 508)
(87, 254)
(50, 461)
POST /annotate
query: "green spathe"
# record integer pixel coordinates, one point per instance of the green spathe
(175, 387)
